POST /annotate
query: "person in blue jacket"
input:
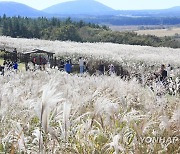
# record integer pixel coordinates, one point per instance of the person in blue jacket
(15, 66)
(68, 67)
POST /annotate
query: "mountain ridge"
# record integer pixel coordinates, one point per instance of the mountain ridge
(81, 7)
(89, 7)
(14, 9)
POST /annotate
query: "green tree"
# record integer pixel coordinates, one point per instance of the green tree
(69, 32)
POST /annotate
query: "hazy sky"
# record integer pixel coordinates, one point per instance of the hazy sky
(116, 4)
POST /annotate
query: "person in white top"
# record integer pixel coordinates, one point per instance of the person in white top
(168, 70)
(111, 69)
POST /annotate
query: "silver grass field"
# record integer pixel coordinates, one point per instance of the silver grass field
(54, 112)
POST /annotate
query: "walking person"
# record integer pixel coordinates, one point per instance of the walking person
(5, 63)
(26, 63)
(85, 66)
(10, 65)
(61, 65)
(15, 55)
(34, 61)
(111, 69)
(162, 73)
(2, 70)
(40, 62)
(15, 66)
(81, 65)
(44, 62)
(68, 67)
(55, 62)
(101, 68)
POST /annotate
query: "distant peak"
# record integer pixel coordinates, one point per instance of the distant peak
(82, 7)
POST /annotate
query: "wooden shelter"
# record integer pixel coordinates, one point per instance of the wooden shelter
(28, 56)
(38, 51)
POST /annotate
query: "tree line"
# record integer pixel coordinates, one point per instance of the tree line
(79, 31)
(43, 28)
(136, 20)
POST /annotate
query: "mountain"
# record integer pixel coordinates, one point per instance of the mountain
(165, 13)
(15, 9)
(172, 12)
(95, 12)
(80, 7)
(93, 8)
(176, 8)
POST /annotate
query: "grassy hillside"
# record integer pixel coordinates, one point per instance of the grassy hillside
(126, 57)
(85, 114)
(106, 51)
(52, 111)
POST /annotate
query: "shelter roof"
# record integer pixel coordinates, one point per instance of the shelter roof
(38, 51)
